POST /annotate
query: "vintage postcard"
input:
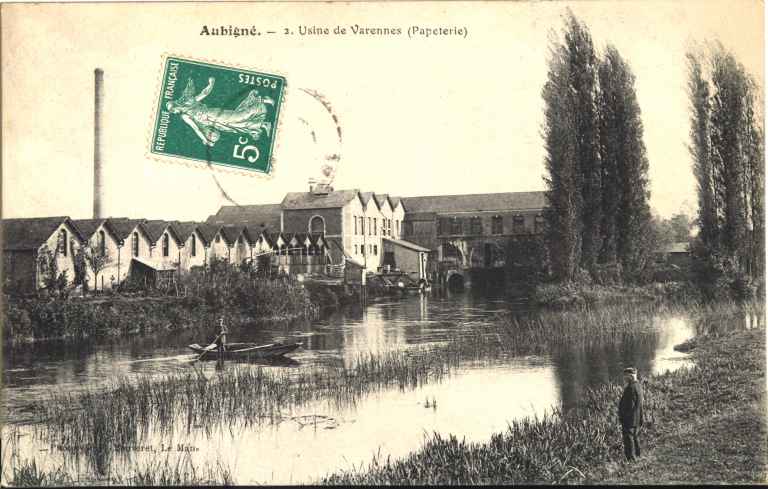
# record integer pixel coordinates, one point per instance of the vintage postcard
(320, 243)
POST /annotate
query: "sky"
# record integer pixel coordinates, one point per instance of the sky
(419, 116)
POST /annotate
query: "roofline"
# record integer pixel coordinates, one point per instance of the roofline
(106, 223)
(407, 244)
(386, 199)
(475, 211)
(69, 221)
(283, 208)
(170, 226)
(242, 230)
(64, 219)
(474, 195)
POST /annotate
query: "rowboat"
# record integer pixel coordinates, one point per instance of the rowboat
(246, 350)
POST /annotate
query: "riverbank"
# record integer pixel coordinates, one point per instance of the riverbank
(240, 299)
(572, 294)
(705, 424)
(724, 438)
(130, 409)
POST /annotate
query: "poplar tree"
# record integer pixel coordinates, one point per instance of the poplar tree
(626, 212)
(572, 152)
(728, 145)
(701, 153)
(563, 217)
(582, 96)
(727, 149)
(611, 139)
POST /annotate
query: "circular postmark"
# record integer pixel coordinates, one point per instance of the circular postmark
(227, 118)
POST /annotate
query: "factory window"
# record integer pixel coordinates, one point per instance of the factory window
(475, 225)
(497, 225)
(375, 249)
(374, 226)
(194, 245)
(518, 224)
(354, 218)
(317, 225)
(135, 244)
(102, 243)
(165, 244)
(446, 225)
(369, 226)
(356, 250)
(63, 242)
(455, 226)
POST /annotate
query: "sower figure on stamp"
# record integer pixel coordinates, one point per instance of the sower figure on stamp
(248, 118)
(631, 414)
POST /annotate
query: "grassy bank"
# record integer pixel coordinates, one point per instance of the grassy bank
(575, 294)
(198, 302)
(531, 451)
(705, 424)
(182, 472)
(120, 413)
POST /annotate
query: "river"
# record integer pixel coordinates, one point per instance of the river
(478, 399)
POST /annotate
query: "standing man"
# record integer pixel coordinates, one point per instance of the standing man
(631, 414)
(221, 339)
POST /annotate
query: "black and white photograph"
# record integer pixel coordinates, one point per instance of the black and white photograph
(383, 243)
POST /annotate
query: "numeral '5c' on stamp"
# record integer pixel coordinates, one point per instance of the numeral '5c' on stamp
(217, 114)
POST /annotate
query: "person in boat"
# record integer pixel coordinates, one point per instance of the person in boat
(221, 338)
(631, 414)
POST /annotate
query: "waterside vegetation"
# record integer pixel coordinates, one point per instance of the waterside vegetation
(196, 301)
(705, 424)
(125, 412)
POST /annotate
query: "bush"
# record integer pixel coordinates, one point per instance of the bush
(241, 296)
(721, 277)
(607, 274)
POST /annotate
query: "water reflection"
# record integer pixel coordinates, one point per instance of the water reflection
(477, 400)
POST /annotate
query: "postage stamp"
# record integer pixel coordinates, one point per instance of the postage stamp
(217, 114)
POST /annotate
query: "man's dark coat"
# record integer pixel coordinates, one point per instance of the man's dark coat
(631, 406)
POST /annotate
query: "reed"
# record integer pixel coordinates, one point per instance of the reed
(583, 445)
(127, 411)
(200, 300)
(182, 472)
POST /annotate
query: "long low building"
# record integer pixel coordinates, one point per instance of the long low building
(103, 253)
(323, 231)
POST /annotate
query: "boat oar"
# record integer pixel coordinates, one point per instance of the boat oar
(207, 349)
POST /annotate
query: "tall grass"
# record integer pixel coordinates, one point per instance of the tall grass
(100, 421)
(182, 472)
(584, 444)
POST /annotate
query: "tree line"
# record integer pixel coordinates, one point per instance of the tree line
(727, 151)
(599, 219)
(597, 168)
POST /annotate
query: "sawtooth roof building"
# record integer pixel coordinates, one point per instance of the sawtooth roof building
(374, 229)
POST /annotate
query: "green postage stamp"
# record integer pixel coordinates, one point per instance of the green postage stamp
(217, 115)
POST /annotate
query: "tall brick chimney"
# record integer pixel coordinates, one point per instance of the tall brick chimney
(97, 165)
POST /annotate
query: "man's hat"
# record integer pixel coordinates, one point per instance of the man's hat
(630, 370)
